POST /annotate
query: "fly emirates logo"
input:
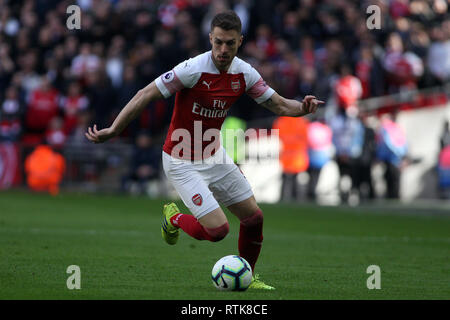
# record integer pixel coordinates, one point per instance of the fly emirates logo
(217, 111)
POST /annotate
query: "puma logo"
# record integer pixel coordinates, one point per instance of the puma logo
(206, 83)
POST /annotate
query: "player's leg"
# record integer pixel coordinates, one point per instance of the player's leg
(208, 221)
(250, 229)
(234, 192)
(250, 235)
(213, 226)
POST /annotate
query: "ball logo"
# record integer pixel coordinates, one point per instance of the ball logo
(197, 199)
(235, 85)
(168, 76)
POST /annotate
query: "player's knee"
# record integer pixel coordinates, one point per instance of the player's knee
(219, 233)
(253, 220)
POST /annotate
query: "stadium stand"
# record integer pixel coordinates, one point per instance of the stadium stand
(86, 76)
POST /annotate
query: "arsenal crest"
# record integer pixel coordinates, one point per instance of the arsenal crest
(235, 85)
(197, 199)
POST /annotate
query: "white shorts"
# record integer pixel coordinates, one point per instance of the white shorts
(202, 186)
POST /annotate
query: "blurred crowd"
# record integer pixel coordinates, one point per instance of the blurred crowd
(54, 82)
(354, 143)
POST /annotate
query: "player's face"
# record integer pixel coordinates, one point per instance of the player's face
(225, 44)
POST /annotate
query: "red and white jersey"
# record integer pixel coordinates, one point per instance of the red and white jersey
(203, 97)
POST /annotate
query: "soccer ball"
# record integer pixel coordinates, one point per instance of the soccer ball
(232, 273)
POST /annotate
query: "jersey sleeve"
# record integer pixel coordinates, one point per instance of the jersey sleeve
(257, 89)
(180, 77)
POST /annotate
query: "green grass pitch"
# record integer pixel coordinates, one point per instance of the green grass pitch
(309, 252)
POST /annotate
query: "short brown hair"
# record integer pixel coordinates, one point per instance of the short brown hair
(227, 20)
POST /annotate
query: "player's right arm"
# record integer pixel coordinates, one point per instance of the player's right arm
(133, 108)
(180, 77)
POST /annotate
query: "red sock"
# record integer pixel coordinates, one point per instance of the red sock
(251, 237)
(192, 227)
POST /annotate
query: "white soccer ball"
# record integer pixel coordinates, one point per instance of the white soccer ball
(232, 273)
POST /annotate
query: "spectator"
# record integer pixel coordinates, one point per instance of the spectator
(144, 23)
(399, 8)
(8, 24)
(45, 169)
(320, 152)
(444, 172)
(10, 116)
(288, 70)
(348, 138)
(327, 62)
(356, 163)
(215, 7)
(42, 107)
(101, 95)
(348, 90)
(365, 185)
(445, 137)
(308, 82)
(77, 137)
(167, 50)
(439, 55)
(391, 150)
(263, 46)
(145, 164)
(70, 49)
(440, 9)
(126, 91)
(55, 135)
(419, 41)
(115, 61)
(294, 159)
(72, 104)
(85, 62)
(443, 168)
(6, 65)
(403, 67)
(306, 53)
(291, 30)
(27, 76)
(241, 7)
(369, 72)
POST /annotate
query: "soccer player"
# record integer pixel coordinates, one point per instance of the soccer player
(206, 86)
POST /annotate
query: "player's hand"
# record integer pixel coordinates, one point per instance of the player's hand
(99, 136)
(310, 104)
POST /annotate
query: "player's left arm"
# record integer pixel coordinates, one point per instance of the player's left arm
(291, 108)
